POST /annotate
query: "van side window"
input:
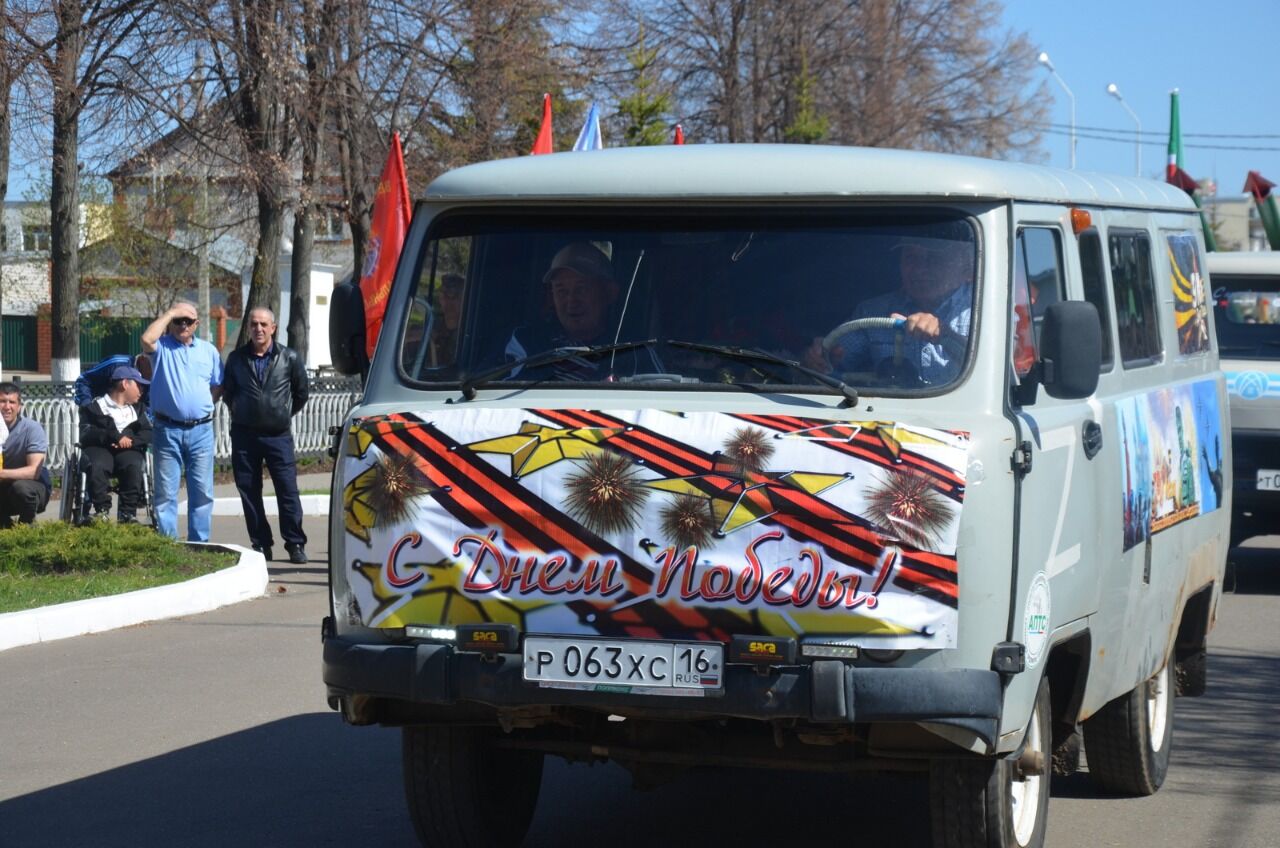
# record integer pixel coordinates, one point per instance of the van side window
(1094, 273)
(1037, 283)
(1190, 300)
(1135, 297)
(433, 325)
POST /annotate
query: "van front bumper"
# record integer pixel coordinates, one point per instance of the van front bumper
(456, 685)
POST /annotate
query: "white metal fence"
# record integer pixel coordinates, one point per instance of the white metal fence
(52, 405)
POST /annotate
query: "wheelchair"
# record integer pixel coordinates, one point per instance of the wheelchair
(76, 506)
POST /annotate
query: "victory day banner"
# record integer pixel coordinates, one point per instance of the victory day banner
(652, 524)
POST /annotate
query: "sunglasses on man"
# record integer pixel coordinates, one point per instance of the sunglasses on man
(184, 322)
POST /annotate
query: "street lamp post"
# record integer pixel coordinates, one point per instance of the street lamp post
(1044, 60)
(1114, 91)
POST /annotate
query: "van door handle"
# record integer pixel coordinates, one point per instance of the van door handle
(1092, 439)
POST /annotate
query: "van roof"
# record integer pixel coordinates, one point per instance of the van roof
(798, 172)
(1244, 262)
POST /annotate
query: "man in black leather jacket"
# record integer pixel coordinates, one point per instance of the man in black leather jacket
(264, 386)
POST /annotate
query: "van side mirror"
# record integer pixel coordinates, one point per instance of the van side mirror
(1070, 349)
(346, 330)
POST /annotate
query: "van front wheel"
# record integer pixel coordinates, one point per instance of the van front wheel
(1003, 802)
(462, 790)
(1126, 743)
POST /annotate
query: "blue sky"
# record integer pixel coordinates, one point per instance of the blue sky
(1220, 56)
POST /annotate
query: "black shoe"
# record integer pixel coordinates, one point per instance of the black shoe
(297, 554)
(127, 518)
(266, 552)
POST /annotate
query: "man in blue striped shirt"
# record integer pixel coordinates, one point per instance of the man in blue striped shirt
(185, 383)
(935, 303)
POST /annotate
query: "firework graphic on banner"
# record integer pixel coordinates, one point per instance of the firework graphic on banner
(907, 507)
(749, 447)
(382, 495)
(687, 521)
(606, 493)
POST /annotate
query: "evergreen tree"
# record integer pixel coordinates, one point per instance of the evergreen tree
(807, 125)
(644, 112)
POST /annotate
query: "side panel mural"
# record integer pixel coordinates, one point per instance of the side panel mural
(1171, 447)
(652, 524)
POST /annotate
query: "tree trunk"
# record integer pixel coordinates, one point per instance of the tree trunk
(264, 285)
(304, 231)
(353, 155)
(6, 78)
(64, 202)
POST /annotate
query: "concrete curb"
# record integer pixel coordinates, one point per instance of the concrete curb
(311, 505)
(247, 579)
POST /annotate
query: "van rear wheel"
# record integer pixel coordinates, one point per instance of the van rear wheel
(1127, 742)
(462, 790)
(1002, 802)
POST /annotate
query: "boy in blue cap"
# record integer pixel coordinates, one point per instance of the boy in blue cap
(114, 433)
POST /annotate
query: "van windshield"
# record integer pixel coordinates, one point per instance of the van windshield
(1246, 311)
(784, 299)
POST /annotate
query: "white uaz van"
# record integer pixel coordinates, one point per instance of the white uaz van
(793, 456)
(1246, 299)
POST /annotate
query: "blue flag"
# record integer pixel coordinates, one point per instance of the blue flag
(589, 137)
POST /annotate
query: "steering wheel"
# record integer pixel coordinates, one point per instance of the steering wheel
(895, 370)
(833, 338)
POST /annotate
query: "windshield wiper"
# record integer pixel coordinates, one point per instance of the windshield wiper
(751, 354)
(547, 357)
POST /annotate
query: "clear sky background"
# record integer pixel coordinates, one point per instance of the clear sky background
(1221, 56)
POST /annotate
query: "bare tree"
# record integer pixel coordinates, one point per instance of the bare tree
(923, 74)
(316, 29)
(88, 52)
(6, 84)
(390, 63)
(253, 68)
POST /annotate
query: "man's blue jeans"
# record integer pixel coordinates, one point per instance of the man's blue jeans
(189, 448)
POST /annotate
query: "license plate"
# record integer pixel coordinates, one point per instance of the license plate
(1269, 479)
(625, 666)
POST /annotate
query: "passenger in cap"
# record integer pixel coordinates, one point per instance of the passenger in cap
(114, 433)
(935, 301)
(582, 290)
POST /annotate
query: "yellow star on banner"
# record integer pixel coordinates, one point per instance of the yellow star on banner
(891, 434)
(363, 431)
(359, 438)
(358, 514)
(439, 599)
(537, 446)
(732, 502)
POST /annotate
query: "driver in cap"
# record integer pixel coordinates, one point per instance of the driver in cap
(934, 299)
(582, 290)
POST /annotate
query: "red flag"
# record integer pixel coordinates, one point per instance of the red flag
(1181, 179)
(1259, 186)
(543, 144)
(679, 139)
(387, 229)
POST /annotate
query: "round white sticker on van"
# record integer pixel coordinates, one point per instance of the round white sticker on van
(1035, 620)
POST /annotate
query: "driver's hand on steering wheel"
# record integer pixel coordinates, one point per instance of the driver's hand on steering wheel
(922, 325)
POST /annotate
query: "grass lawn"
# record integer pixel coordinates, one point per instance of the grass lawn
(52, 562)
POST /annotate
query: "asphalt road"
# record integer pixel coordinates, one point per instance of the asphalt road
(213, 731)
